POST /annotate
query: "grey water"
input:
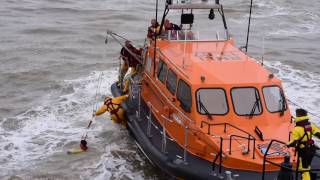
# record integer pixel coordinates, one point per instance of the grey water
(52, 53)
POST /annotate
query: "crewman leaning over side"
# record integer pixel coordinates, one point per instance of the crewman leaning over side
(113, 106)
(130, 61)
(301, 139)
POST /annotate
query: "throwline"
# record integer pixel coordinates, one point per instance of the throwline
(83, 142)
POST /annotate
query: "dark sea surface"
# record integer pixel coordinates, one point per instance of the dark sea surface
(52, 53)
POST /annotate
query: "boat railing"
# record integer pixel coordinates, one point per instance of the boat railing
(282, 166)
(191, 4)
(249, 137)
(185, 145)
(187, 35)
(180, 35)
(136, 95)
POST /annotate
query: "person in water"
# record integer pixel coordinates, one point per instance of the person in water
(154, 28)
(113, 106)
(301, 139)
(83, 148)
(130, 61)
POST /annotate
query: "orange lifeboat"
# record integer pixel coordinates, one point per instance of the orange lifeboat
(204, 109)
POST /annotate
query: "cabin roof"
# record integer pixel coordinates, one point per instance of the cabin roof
(220, 62)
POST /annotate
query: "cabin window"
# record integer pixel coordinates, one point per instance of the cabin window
(162, 71)
(184, 95)
(172, 82)
(274, 99)
(212, 101)
(148, 64)
(246, 101)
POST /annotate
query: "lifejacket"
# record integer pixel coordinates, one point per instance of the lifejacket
(113, 108)
(307, 133)
(152, 30)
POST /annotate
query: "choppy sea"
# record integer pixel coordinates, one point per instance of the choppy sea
(52, 54)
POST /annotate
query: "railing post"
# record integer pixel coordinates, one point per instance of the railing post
(230, 145)
(139, 103)
(289, 139)
(185, 144)
(130, 92)
(164, 137)
(254, 146)
(249, 139)
(220, 160)
(263, 167)
(149, 121)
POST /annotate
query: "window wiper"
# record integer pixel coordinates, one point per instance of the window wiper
(282, 104)
(202, 106)
(255, 106)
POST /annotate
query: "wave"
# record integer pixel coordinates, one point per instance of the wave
(301, 87)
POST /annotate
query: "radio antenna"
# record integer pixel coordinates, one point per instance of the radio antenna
(262, 58)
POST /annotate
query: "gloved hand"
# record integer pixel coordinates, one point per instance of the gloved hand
(292, 144)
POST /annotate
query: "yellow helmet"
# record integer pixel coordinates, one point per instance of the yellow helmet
(302, 118)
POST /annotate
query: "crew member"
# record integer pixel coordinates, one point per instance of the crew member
(113, 106)
(130, 61)
(301, 139)
(170, 28)
(154, 28)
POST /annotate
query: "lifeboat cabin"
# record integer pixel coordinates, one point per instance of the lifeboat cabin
(204, 109)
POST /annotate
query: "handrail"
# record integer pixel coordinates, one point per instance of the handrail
(249, 138)
(297, 171)
(185, 147)
(218, 156)
(225, 127)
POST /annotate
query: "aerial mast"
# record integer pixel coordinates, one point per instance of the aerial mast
(155, 41)
(249, 23)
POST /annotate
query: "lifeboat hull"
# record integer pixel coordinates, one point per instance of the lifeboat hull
(172, 161)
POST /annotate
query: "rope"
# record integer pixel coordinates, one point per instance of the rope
(94, 108)
(297, 105)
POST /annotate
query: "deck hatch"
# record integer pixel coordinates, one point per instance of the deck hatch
(215, 56)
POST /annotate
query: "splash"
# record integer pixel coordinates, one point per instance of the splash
(40, 136)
